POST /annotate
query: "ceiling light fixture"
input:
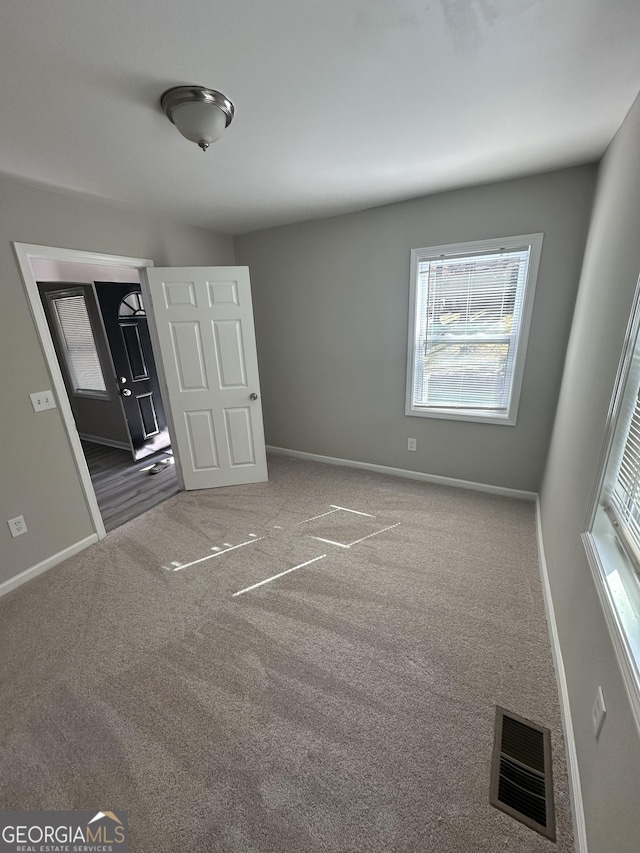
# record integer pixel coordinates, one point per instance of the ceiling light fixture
(201, 115)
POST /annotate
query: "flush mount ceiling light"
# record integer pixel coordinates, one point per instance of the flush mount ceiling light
(201, 115)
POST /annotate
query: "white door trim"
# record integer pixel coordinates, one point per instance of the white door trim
(25, 253)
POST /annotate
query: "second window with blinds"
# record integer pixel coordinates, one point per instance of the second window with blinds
(612, 538)
(470, 312)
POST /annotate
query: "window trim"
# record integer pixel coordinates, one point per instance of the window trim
(531, 241)
(606, 553)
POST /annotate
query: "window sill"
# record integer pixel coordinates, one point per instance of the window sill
(472, 415)
(618, 587)
(93, 395)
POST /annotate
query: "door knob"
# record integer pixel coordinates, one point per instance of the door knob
(126, 392)
(123, 380)
(253, 396)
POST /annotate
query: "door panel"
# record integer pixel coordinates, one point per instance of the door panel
(204, 320)
(223, 292)
(240, 432)
(188, 357)
(133, 348)
(202, 440)
(148, 414)
(130, 344)
(227, 335)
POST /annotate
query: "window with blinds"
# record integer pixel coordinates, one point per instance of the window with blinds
(612, 535)
(471, 305)
(78, 343)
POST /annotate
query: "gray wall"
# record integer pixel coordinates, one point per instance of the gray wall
(331, 305)
(38, 478)
(610, 767)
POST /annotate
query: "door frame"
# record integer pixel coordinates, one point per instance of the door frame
(25, 253)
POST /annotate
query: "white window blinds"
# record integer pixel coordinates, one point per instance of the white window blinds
(469, 310)
(76, 337)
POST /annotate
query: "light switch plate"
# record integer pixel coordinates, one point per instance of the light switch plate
(42, 400)
(598, 713)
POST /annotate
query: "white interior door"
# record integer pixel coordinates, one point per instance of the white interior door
(204, 323)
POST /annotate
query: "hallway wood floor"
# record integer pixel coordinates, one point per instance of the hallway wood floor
(124, 488)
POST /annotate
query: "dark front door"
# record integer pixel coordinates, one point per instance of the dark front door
(126, 325)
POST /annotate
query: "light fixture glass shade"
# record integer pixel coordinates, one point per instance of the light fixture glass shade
(199, 122)
(200, 114)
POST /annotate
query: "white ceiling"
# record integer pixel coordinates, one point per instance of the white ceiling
(340, 104)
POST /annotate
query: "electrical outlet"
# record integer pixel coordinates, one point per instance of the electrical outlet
(42, 400)
(598, 712)
(17, 526)
(412, 444)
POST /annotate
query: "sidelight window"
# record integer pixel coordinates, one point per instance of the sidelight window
(78, 344)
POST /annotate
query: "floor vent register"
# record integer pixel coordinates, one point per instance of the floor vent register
(521, 775)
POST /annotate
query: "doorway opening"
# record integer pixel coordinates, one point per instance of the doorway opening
(101, 338)
(201, 323)
(89, 310)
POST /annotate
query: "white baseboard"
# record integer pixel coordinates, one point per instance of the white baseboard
(96, 439)
(573, 772)
(411, 475)
(45, 565)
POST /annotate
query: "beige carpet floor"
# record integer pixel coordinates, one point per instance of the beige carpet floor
(345, 706)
